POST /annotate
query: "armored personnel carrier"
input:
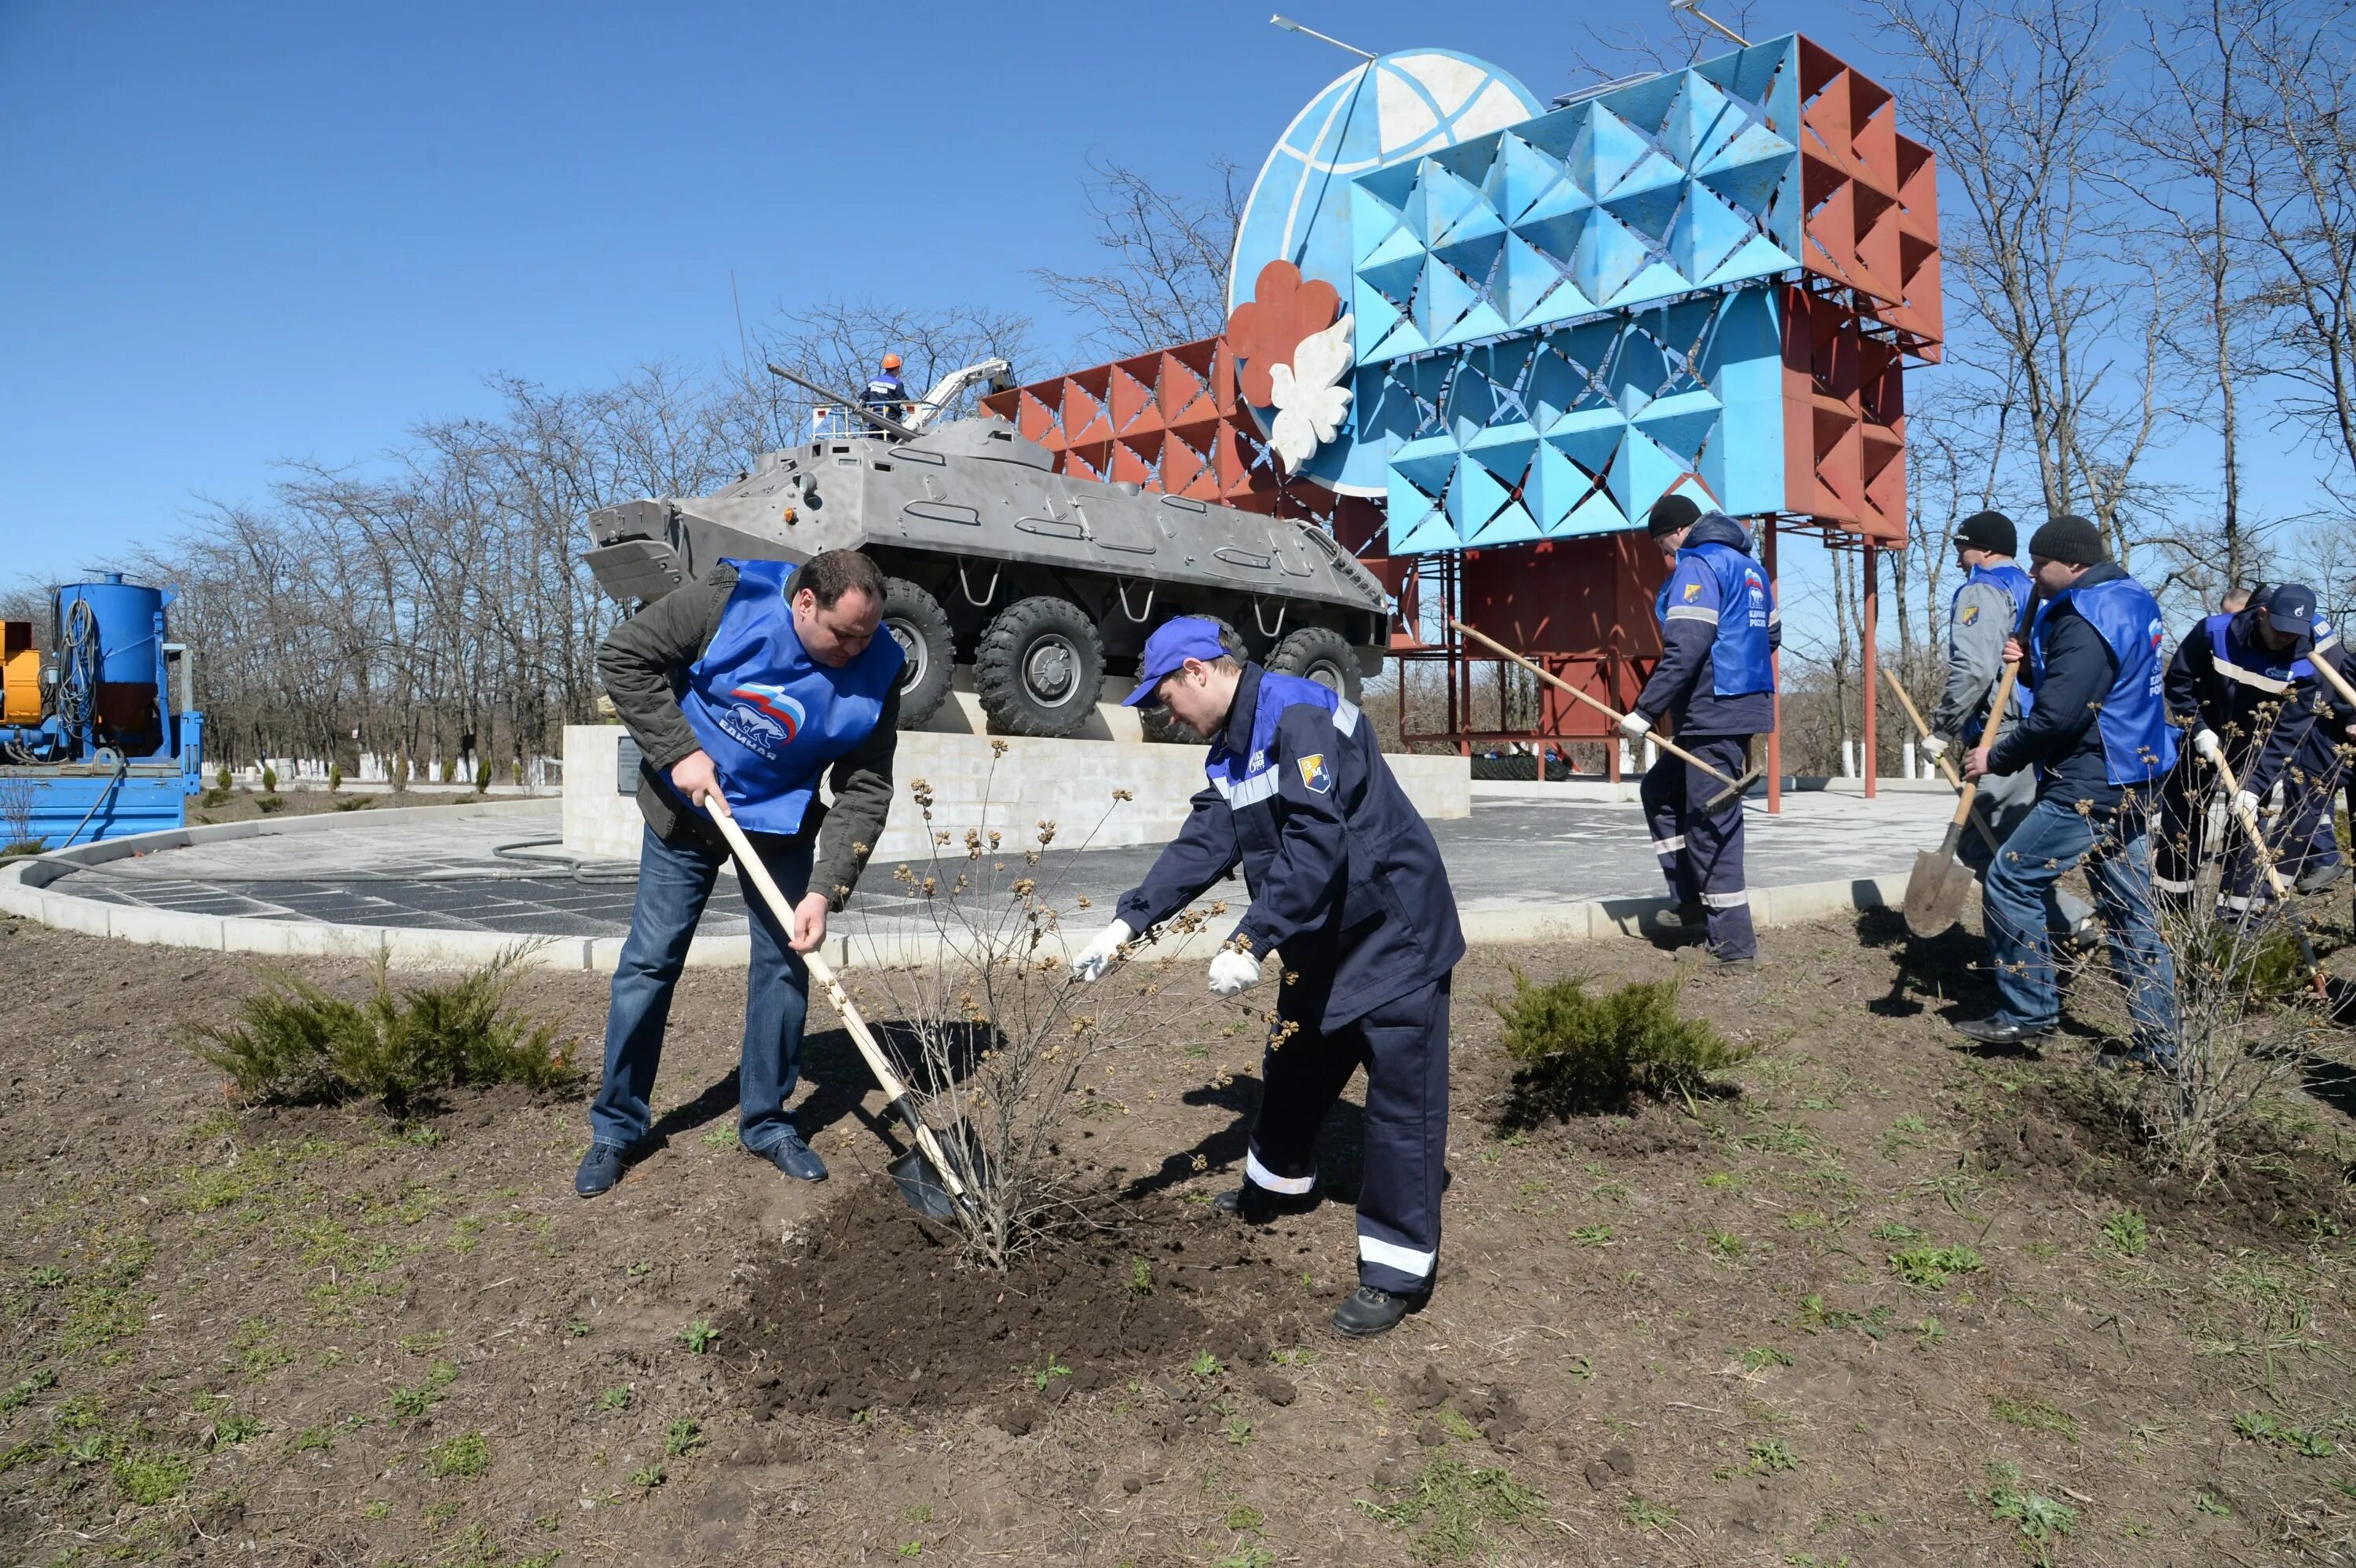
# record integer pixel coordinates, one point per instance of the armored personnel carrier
(1042, 582)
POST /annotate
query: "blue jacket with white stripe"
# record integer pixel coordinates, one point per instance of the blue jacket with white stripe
(1719, 631)
(1344, 876)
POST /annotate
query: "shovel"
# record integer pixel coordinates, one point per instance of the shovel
(2274, 884)
(1936, 892)
(1947, 764)
(1734, 787)
(925, 1175)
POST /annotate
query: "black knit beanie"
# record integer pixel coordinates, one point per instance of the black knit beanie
(2073, 541)
(1671, 513)
(1989, 531)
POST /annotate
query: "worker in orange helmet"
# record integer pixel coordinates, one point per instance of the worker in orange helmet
(886, 394)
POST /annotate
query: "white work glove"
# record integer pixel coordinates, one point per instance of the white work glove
(1098, 956)
(1635, 726)
(2205, 744)
(2245, 805)
(1233, 973)
(1933, 749)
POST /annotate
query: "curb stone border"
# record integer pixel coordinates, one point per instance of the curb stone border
(24, 891)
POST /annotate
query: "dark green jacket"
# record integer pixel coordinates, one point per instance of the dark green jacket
(643, 666)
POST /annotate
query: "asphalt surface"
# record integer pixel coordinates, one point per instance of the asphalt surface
(490, 876)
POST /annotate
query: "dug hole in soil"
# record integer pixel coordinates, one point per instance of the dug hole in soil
(874, 1310)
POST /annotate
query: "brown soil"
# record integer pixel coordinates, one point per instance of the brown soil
(312, 1336)
(872, 1311)
(246, 805)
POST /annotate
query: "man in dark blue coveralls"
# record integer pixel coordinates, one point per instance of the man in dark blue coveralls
(1716, 682)
(1345, 879)
(2242, 687)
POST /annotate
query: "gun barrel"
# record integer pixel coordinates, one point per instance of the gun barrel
(854, 404)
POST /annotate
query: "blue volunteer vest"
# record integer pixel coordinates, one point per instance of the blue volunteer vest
(2011, 581)
(1740, 661)
(2252, 662)
(2137, 743)
(771, 716)
(1242, 779)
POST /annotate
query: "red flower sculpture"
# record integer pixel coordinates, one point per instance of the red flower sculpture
(1265, 328)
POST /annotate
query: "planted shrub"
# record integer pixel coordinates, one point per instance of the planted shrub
(294, 1041)
(1583, 1051)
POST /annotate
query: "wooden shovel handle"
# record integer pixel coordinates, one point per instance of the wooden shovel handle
(1987, 738)
(1946, 764)
(766, 886)
(1605, 708)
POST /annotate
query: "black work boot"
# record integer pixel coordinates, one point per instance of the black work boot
(2002, 1031)
(1372, 1310)
(601, 1167)
(1691, 920)
(1255, 1205)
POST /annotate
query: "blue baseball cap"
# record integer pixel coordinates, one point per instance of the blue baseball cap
(2291, 608)
(1168, 649)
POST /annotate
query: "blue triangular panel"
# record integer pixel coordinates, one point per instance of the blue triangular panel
(1680, 422)
(1479, 322)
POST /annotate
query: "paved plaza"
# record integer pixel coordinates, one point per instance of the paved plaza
(507, 875)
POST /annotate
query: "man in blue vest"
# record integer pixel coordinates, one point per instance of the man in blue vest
(1985, 611)
(1345, 878)
(2242, 684)
(745, 688)
(2097, 734)
(1716, 684)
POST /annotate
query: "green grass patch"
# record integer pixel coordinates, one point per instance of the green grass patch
(467, 1456)
(147, 1479)
(297, 1042)
(2308, 1442)
(1449, 1507)
(2126, 1233)
(1581, 1052)
(2036, 1415)
(1928, 1268)
(2042, 1522)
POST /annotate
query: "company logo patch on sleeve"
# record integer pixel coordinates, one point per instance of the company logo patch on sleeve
(1693, 591)
(1971, 613)
(1313, 777)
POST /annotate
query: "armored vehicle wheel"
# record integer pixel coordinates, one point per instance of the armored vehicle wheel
(921, 627)
(1040, 668)
(1317, 653)
(1159, 726)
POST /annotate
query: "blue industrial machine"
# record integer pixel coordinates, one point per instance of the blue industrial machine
(97, 747)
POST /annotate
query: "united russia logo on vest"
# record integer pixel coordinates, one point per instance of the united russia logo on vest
(764, 718)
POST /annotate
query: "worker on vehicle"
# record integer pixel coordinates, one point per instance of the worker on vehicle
(1716, 684)
(1985, 610)
(742, 691)
(886, 394)
(1345, 878)
(2241, 688)
(2097, 734)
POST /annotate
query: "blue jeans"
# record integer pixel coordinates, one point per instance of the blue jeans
(674, 881)
(2016, 904)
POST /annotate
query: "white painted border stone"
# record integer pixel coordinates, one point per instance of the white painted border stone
(29, 897)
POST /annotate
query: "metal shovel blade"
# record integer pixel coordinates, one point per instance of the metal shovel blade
(1936, 892)
(921, 1185)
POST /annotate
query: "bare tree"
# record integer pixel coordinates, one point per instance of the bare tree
(2298, 182)
(1165, 257)
(841, 343)
(2012, 99)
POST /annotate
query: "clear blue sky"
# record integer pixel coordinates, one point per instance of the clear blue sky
(244, 234)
